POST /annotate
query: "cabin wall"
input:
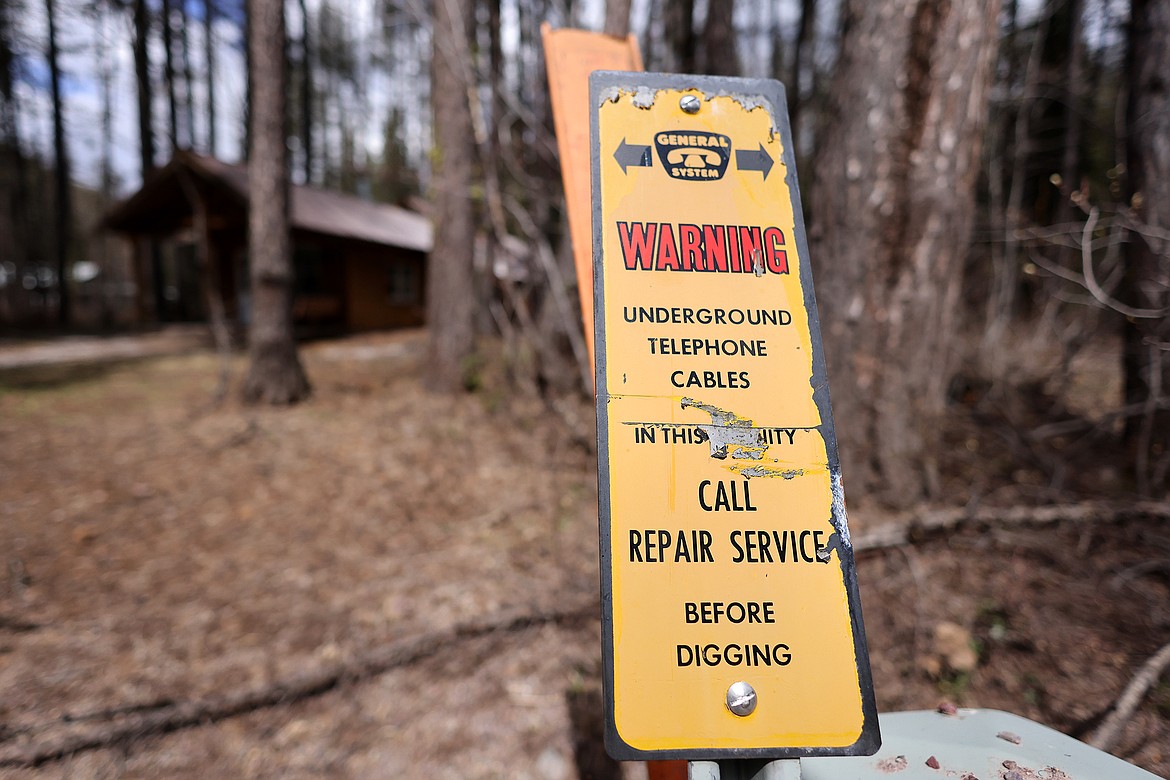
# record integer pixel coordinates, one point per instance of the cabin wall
(384, 288)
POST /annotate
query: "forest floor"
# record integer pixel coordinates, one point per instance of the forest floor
(382, 582)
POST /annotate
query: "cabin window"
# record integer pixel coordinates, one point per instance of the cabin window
(402, 284)
(309, 270)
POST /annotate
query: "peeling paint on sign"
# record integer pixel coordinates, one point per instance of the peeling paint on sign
(838, 515)
(645, 97)
(760, 471)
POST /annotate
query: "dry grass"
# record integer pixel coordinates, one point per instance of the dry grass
(155, 549)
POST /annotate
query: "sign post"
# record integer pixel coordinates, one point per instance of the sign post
(731, 620)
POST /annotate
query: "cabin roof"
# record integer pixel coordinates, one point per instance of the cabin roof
(161, 206)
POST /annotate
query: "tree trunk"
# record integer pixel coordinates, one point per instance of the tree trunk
(209, 265)
(63, 202)
(718, 56)
(209, 56)
(275, 375)
(1074, 121)
(679, 21)
(1147, 340)
(1018, 141)
(892, 212)
(246, 125)
(496, 71)
(142, 80)
(188, 97)
(617, 18)
(9, 137)
(450, 276)
(149, 263)
(12, 201)
(803, 64)
(106, 73)
(169, 74)
(306, 96)
(776, 56)
(652, 37)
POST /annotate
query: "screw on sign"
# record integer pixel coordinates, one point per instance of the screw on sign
(741, 699)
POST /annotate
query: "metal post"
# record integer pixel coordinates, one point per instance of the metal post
(744, 769)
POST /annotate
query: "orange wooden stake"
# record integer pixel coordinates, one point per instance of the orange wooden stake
(570, 56)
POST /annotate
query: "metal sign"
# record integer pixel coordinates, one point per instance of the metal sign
(732, 625)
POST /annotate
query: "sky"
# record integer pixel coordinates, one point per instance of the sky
(87, 45)
(90, 42)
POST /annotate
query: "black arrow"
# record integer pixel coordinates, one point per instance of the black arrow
(633, 154)
(751, 160)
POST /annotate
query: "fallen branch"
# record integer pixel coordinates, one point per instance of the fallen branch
(1106, 736)
(931, 524)
(126, 724)
(16, 625)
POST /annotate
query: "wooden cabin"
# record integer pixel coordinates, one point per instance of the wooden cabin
(358, 265)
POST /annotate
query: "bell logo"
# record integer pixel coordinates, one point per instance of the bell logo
(694, 154)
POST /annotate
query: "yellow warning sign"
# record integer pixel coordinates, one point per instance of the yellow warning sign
(732, 621)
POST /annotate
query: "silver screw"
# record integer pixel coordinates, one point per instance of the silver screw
(741, 699)
(689, 104)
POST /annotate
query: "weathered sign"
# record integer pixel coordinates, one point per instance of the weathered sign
(732, 625)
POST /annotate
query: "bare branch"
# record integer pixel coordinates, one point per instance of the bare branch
(556, 283)
(1106, 736)
(126, 724)
(1061, 235)
(918, 526)
(1091, 279)
(1072, 426)
(1056, 270)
